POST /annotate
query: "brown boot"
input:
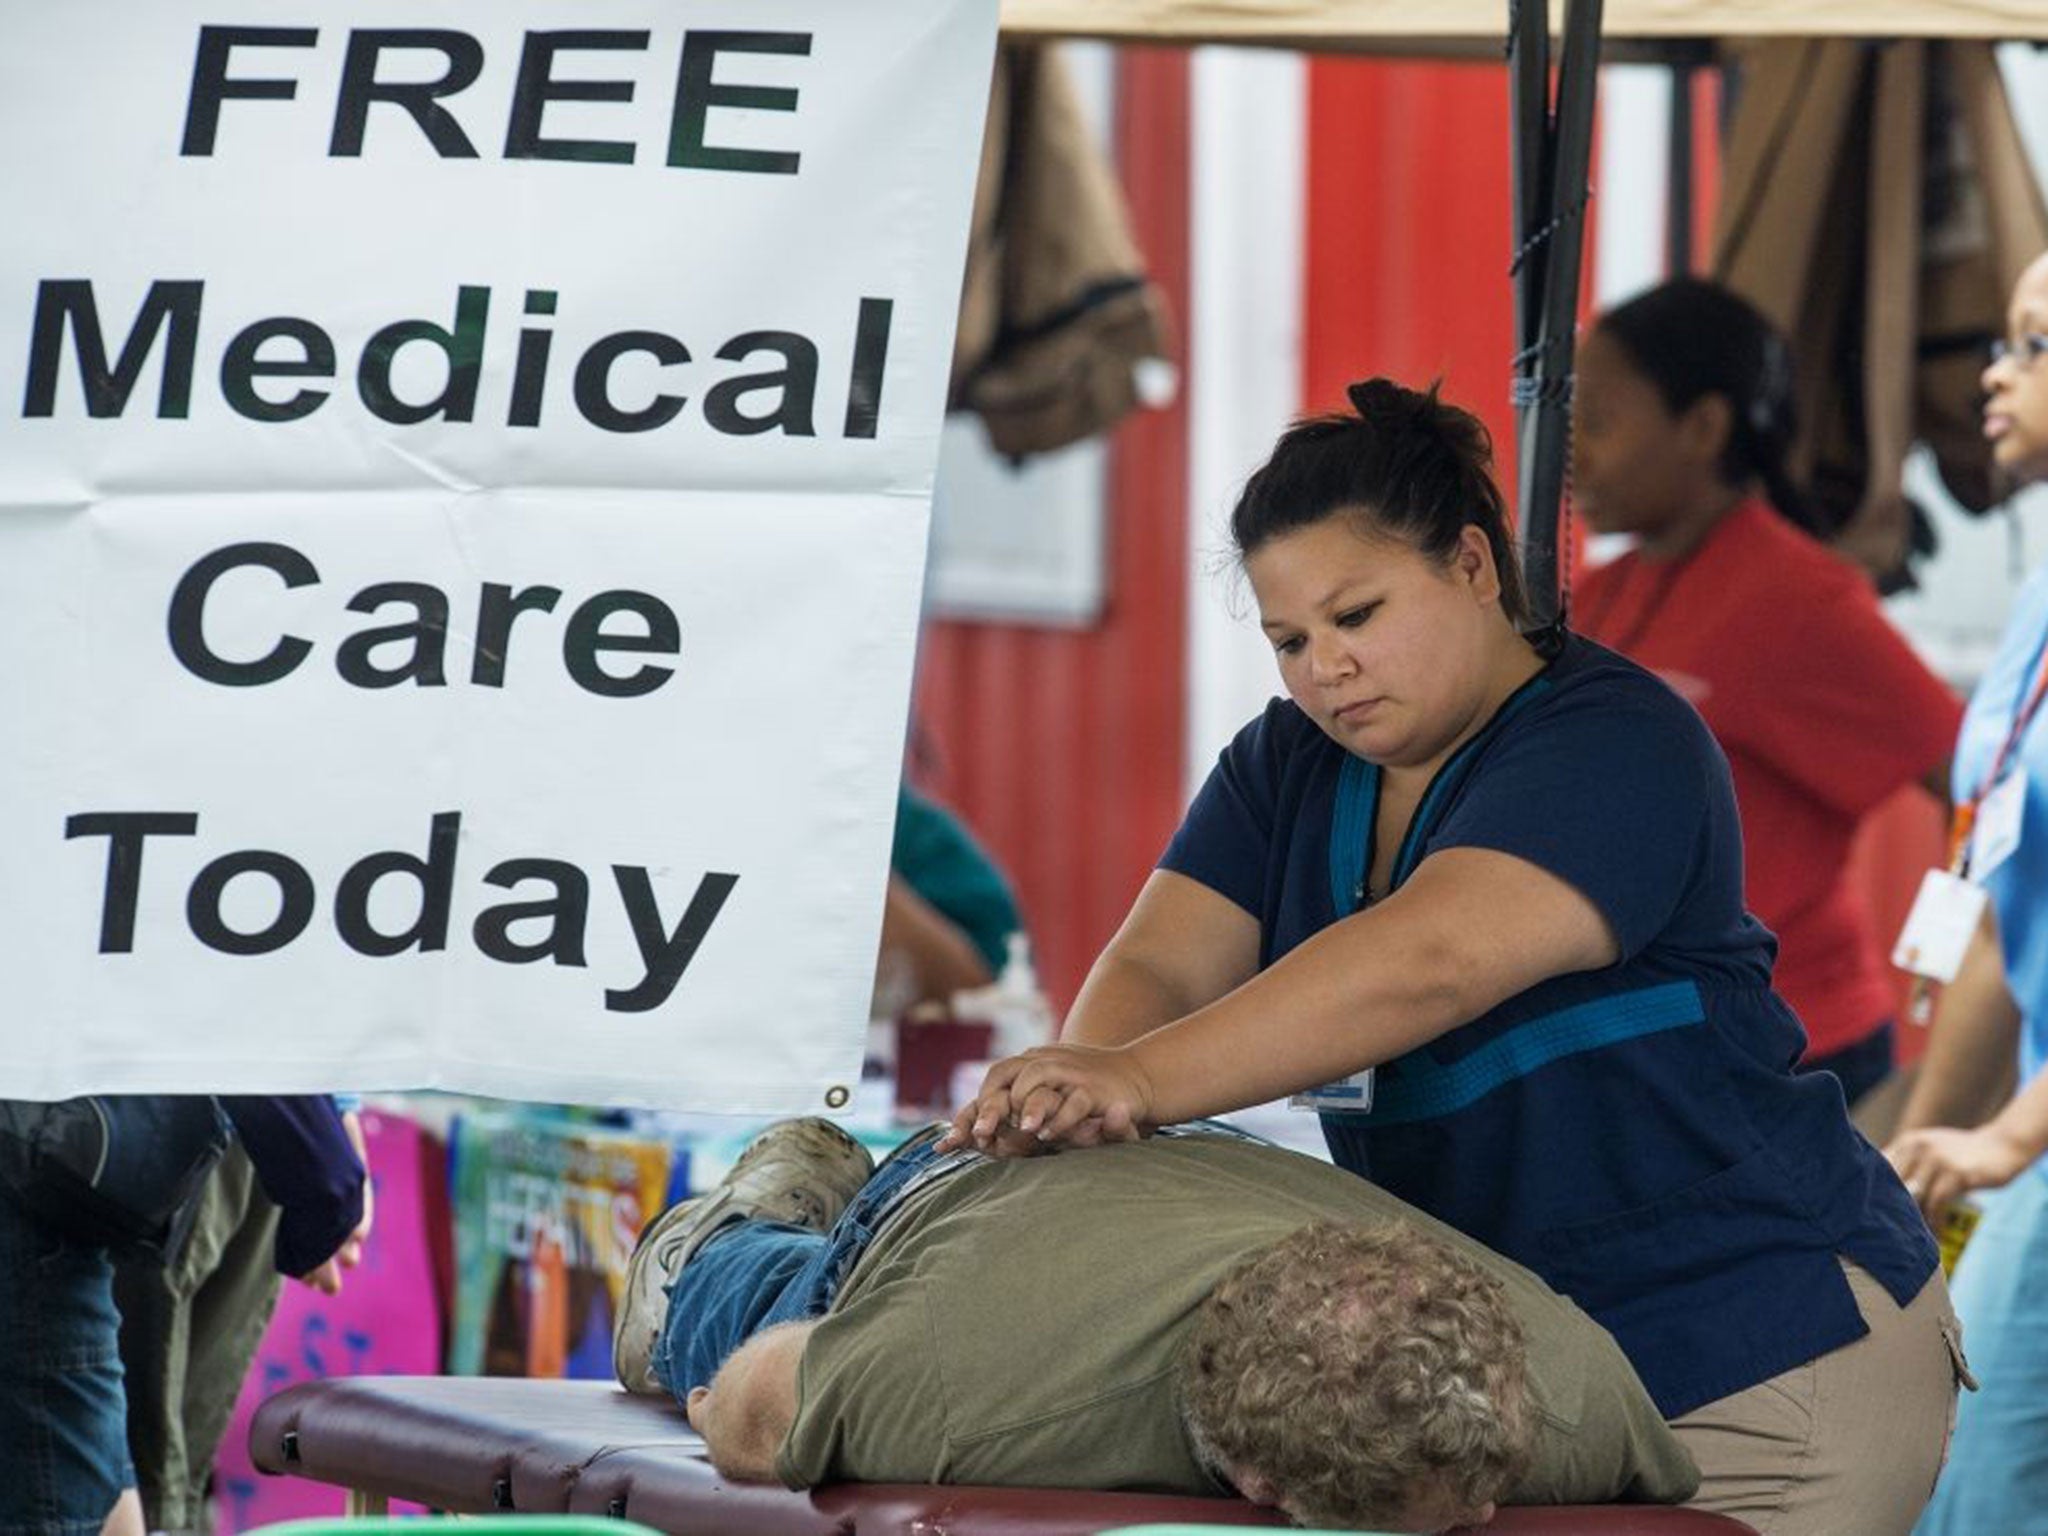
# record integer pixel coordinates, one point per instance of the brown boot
(799, 1171)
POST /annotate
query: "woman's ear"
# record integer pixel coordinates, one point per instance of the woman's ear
(1705, 428)
(1474, 564)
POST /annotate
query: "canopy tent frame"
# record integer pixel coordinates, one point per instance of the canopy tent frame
(1472, 27)
(1678, 173)
(1551, 144)
(1552, 155)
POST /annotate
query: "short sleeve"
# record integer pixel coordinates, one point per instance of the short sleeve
(1616, 789)
(1225, 840)
(1997, 698)
(870, 1404)
(1841, 705)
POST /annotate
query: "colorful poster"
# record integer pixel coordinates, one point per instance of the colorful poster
(546, 1213)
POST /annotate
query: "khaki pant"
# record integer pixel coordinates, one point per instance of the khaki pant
(1845, 1445)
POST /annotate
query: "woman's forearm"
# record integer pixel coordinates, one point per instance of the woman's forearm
(1469, 930)
(1122, 999)
(1312, 1020)
(939, 957)
(1182, 946)
(1969, 1062)
(2023, 1123)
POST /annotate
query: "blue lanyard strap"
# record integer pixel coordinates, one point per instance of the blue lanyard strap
(1351, 819)
(1358, 798)
(2026, 703)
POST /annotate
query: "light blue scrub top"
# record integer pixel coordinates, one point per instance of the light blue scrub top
(2019, 886)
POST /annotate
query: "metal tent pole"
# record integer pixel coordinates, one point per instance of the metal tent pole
(1678, 194)
(1529, 116)
(1558, 161)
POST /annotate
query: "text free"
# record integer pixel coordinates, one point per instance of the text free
(461, 61)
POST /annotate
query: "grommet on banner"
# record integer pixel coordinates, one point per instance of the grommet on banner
(838, 1097)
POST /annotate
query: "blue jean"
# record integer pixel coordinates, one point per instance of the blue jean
(1997, 1474)
(63, 1416)
(752, 1275)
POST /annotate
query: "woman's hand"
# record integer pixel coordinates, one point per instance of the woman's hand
(1940, 1166)
(1056, 1095)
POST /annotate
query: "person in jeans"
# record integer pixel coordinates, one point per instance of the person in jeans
(65, 1468)
(1194, 1314)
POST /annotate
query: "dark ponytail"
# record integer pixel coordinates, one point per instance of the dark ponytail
(1692, 338)
(1403, 462)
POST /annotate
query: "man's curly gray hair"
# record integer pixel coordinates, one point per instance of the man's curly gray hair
(1364, 1373)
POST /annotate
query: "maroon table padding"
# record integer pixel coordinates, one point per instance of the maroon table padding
(473, 1445)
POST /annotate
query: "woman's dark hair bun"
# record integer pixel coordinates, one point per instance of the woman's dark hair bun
(1407, 462)
(1383, 399)
(1392, 407)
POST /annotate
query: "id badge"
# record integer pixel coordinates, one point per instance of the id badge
(1353, 1093)
(1997, 831)
(1939, 928)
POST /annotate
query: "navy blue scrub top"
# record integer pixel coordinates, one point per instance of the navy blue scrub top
(1636, 1134)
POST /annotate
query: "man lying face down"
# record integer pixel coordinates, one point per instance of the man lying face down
(1191, 1314)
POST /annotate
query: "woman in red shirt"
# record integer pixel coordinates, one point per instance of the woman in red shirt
(1683, 422)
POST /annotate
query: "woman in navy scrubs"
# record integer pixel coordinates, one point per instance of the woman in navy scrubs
(1508, 875)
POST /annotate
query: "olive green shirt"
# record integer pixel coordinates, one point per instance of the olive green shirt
(1019, 1324)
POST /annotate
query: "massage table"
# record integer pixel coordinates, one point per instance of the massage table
(481, 1445)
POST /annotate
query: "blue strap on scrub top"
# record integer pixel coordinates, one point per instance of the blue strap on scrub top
(1358, 802)
(1424, 1088)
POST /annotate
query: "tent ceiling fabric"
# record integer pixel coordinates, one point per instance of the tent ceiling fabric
(1457, 26)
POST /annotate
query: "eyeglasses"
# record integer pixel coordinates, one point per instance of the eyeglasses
(2025, 349)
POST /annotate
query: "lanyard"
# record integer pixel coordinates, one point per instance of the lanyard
(1965, 819)
(1355, 809)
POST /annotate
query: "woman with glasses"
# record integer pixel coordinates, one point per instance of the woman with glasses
(1683, 425)
(1997, 1477)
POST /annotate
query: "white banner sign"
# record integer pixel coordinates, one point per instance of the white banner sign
(463, 492)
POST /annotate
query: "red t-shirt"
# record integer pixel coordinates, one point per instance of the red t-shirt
(1823, 710)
